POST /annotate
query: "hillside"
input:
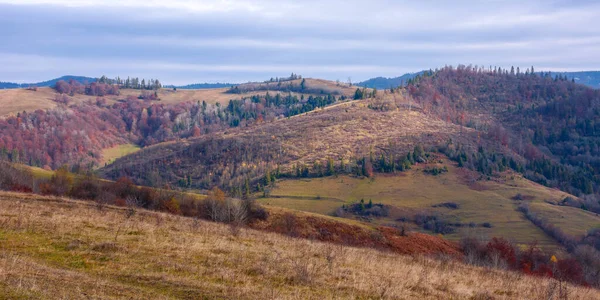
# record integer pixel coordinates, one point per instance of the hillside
(60, 248)
(119, 118)
(345, 131)
(547, 123)
(13, 101)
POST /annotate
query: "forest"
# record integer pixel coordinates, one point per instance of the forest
(549, 124)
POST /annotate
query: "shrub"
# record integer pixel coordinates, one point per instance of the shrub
(589, 258)
(569, 270)
(439, 226)
(290, 223)
(86, 188)
(473, 250)
(370, 209)
(171, 206)
(435, 170)
(450, 205)
(433, 223)
(61, 181)
(503, 249)
(120, 202)
(533, 261)
(257, 212)
(15, 179)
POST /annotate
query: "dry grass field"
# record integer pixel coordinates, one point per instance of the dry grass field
(13, 101)
(414, 191)
(111, 154)
(58, 248)
(349, 129)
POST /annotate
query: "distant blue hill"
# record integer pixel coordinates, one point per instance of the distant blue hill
(49, 83)
(386, 83)
(199, 86)
(589, 78)
(84, 80)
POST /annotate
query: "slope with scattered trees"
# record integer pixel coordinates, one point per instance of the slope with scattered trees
(547, 123)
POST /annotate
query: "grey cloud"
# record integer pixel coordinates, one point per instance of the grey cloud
(252, 40)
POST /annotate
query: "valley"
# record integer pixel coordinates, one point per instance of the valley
(447, 165)
(327, 149)
(411, 193)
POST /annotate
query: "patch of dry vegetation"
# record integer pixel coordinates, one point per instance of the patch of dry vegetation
(56, 248)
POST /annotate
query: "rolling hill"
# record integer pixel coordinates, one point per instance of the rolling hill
(47, 83)
(13, 101)
(470, 155)
(122, 118)
(485, 125)
(53, 247)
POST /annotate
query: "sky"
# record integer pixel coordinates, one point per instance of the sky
(184, 41)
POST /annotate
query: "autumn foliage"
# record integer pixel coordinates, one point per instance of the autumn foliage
(501, 253)
(93, 89)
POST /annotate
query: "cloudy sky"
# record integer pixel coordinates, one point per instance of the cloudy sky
(184, 41)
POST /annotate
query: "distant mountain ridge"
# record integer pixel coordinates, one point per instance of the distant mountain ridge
(85, 79)
(386, 83)
(199, 86)
(48, 83)
(588, 78)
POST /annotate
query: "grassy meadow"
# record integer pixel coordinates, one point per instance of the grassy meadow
(109, 155)
(414, 191)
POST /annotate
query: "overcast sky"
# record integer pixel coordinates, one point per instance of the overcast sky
(184, 41)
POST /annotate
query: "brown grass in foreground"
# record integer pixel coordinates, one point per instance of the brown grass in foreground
(57, 248)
